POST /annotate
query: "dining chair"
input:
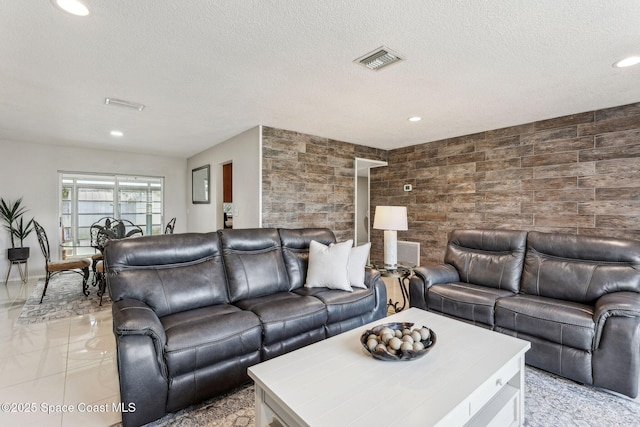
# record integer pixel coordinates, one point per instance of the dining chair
(118, 229)
(123, 228)
(102, 223)
(170, 225)
(77, 265)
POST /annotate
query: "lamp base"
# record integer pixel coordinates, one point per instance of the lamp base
(390, 249)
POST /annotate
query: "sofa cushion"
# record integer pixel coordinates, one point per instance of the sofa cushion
(471, 302)
(343, 305)
(253, 262)
(491, 258)
(205, 336)
(562, 322)
(295, 250)
(170, 273)
(579, 268)
(357, 261)
(285, 314)
(328, 266)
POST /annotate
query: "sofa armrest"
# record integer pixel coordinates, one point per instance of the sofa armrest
(373, 280)
(426, 276)
(618, 304)
(370, 276)
(140, 341)
(133, 317)
(432, 274)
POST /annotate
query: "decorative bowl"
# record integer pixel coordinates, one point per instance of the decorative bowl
(401, 355)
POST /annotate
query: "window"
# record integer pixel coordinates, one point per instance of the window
(87, 198)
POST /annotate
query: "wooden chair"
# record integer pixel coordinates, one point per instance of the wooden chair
(170, 225)
(78, 265)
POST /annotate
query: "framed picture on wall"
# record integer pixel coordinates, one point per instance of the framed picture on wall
(200, 185)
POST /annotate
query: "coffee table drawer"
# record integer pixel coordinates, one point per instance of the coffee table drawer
(502, 410)
(493, 385)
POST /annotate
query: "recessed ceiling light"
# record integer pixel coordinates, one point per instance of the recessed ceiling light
(627, 62)
(414, 119)
(73, 7)
(116, 133)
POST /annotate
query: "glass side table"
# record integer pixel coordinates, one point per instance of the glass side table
(403, 274)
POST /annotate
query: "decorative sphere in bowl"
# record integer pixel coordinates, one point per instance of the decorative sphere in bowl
(382, 351)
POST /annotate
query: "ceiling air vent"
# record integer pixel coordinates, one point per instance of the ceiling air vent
(379, 58)
(125, 104)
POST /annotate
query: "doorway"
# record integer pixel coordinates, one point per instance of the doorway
(227, 195)
(362, 198)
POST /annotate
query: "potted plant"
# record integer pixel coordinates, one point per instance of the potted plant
(12, 215)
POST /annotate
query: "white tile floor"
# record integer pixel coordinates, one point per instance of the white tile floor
(65, 367)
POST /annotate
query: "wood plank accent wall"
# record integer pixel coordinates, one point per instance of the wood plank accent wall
(309, 181)
(577, 174)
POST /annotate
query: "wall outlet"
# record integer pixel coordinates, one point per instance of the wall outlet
(408, 187)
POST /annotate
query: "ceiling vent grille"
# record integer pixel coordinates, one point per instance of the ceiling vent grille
(124, 104)
(379, 58)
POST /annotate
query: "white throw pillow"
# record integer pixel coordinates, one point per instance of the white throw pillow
(357, 261)
(328, 265)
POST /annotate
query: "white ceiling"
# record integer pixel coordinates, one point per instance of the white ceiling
(208, 70)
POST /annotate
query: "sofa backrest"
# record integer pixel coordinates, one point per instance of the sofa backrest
(170, 273)
(579, 268)
(253, 262)
(295, 251)
(491, 258)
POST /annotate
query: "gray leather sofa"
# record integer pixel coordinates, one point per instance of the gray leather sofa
(575, 298)
(192, 311)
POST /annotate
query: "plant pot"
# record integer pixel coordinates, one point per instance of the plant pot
(17, 254)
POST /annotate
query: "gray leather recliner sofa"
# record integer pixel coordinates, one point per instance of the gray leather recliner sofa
(193, 311)
(575, 298)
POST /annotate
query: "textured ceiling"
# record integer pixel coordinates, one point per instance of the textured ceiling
(208, 70)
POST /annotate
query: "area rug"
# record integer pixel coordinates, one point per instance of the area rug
(549, 401)
(64, 298)
(234, 409)
(555, 401)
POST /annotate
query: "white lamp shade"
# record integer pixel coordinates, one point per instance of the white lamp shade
(390, 218)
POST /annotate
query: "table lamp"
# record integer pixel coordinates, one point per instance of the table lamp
(390, 219)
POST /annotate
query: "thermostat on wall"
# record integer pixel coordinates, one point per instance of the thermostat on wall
(407, 187)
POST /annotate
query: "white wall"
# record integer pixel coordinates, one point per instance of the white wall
(244, 151)
(31, 171)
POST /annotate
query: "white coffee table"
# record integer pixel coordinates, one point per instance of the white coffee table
(472, 376)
